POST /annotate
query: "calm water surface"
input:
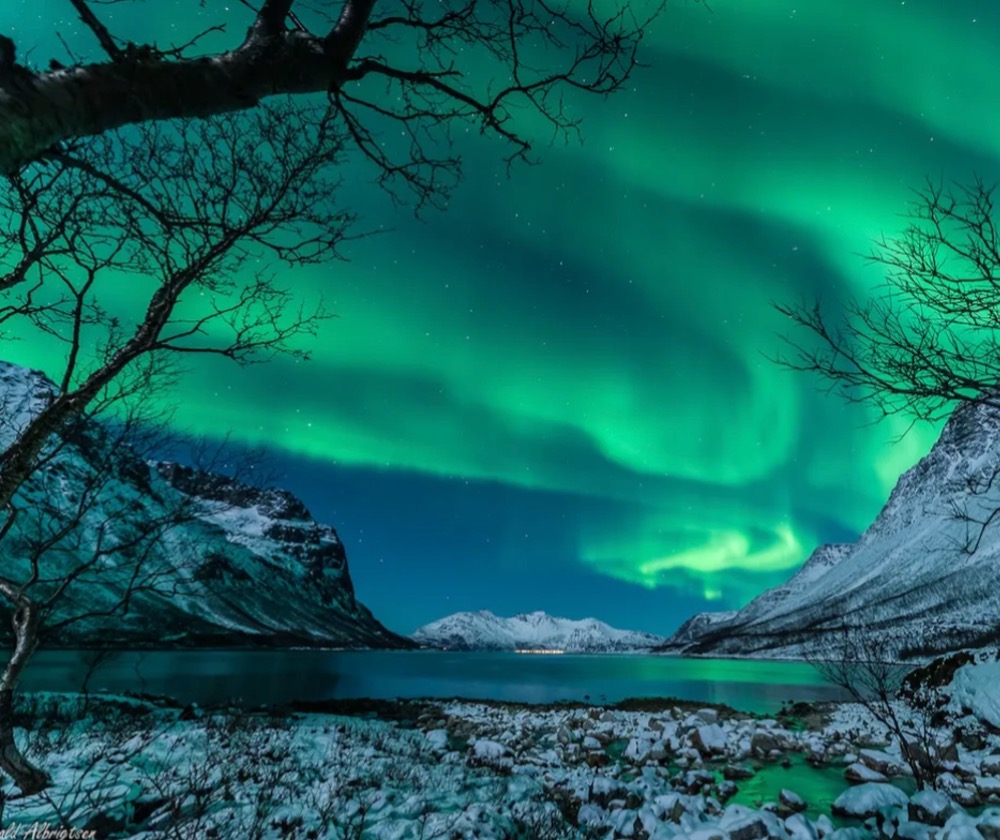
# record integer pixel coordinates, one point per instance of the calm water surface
(264, 677)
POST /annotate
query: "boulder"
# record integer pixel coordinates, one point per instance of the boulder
(988, 786)
(790, 802)
(709, 739)
(695, 781)
(708, 715)
(737, 772)
(763, 743)
(930, 807)
(859, 773)
(880, 762)
(868, 799)
(726, 791)
(799, 828)
(988, 824)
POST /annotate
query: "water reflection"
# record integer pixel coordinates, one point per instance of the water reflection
(263, 677)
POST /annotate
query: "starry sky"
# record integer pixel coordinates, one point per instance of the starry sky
(556, 394)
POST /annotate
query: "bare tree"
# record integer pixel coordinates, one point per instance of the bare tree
(422, 66)
(928, 338)
(865, 668)
(186, 211)
(166, 169)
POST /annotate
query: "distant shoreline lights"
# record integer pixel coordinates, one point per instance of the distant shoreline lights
(539, 650)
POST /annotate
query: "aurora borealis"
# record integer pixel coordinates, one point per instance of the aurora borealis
(557, 394)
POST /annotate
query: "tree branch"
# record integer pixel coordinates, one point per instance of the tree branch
(100, 31)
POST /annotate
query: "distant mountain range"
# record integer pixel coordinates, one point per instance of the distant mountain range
(531, 631)
(248, 566)
(924, 577)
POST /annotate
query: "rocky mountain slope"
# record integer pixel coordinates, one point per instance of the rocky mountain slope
(925, 576)
(211, 560)
(532, 631)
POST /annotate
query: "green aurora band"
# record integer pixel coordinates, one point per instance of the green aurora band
(600, 324)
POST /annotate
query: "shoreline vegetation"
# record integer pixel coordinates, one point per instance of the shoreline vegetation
(131, 765)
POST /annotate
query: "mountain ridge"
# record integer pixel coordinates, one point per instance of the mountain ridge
(243, 566)
(483, 630)
(911, 578)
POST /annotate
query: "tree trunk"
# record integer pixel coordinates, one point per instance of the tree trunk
(28, 778)
(40, 110)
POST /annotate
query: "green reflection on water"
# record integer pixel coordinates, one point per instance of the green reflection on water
(818, 786)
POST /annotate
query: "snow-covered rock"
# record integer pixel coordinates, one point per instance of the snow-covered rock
(931, 807)
(532, 631)
(974, 689)
(868, 799)
(910, 577)
(237, 564)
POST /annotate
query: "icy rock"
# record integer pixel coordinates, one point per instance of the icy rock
(695, 781)
(763, 743)
(591, 815)
(604, 790)
(646, 822)
(988, 786)
(726, 790)
(824, 825)
(973, 741)
(638, 749)
(967, 797)
(791, 801)
(990, 765)
(591, 743)
(658, 752)
(907, 830)
(596, 758)
(799, 828)
(966, 772)
(988, 823)
(960, 827)
(858, 773)
(948, 782)
(438, 739)
(623, 823)
(868, 799)
(669, 807)
(709, 739)
(881, 762)
(708, 715)
(737, 772)
(490, 753)
(931, 807)
(741, 823)
(974, 688)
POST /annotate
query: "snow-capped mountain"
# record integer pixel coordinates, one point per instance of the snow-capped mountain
(531, 631)
(925, 576)
(234, 565)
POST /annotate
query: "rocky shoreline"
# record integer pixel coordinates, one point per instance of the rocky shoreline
(415, 770)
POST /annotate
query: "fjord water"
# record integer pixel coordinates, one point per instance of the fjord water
(278, 676)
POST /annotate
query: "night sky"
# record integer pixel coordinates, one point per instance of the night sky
(556, 394)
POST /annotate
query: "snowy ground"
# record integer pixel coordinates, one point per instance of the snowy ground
(125, 767)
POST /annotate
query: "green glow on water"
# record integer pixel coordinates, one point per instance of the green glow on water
(818, 786)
